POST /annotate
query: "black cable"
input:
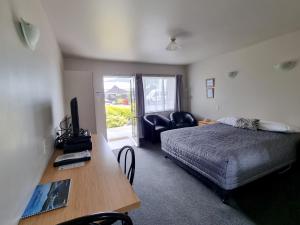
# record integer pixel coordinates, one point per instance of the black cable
(64, 133)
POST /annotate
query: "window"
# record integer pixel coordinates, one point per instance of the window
(159, 94)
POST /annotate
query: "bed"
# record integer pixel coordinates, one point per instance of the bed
(230, 157)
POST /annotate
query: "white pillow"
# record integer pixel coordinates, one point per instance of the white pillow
(277, 127)
(228, 120)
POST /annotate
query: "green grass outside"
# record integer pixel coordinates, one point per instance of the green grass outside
(117, 116)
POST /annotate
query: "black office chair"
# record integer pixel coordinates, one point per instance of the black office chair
(107, 218)
(131, 169)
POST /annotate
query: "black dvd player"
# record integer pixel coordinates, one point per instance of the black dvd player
(77, 147)
(79, 143)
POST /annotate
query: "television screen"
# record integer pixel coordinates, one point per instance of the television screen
(75, 117)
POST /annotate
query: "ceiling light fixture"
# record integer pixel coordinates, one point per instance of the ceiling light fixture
(172, 46)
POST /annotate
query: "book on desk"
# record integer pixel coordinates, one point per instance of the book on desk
(47, 197)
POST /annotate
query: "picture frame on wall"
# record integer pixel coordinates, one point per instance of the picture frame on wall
(210, 87)
(210, 92)
(210, 82)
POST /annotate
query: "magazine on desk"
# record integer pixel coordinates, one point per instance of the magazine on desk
(47, 197)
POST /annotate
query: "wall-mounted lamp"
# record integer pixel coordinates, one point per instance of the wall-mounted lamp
(233, 74)
(287, 65)
(31, 34)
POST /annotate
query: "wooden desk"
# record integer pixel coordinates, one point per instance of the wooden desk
(98, 186)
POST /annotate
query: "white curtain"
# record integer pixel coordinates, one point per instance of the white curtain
(159, 93)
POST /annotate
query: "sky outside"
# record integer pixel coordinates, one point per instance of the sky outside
(123, 83)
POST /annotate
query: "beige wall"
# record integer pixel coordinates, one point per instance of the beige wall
(31, 105)
(258, 91)
(100, 68)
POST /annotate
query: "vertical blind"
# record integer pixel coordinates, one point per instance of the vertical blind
(159, 94)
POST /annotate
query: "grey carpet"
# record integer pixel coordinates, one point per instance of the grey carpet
(171, 196)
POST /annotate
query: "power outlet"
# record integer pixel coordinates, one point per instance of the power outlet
(45, 146)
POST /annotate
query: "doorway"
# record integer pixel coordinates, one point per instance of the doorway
(120, 110)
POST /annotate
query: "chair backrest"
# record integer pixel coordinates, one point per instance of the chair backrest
(129, 170)
(157, 119)
(179, 117)
(152, 118)
(100, 218)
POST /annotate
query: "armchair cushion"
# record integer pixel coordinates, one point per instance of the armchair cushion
(181, 125)
(161, 128)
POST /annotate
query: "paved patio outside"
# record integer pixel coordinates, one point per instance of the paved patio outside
(119, 133)
(119, 136)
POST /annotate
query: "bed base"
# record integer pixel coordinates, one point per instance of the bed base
(223, 194)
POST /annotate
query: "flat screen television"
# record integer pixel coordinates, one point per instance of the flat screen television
(75, 117)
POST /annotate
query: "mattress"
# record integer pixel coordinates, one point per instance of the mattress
(228, 156)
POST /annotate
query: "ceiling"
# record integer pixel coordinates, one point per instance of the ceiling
(139, 30)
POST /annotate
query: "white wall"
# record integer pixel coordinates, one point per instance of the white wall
(80, 84)
(100, 68)
(31, 104)
(258, 91)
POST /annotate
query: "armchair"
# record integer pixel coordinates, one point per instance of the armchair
(182, 119)
(155, 124)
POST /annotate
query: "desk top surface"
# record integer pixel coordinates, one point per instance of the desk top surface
(99, 186)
